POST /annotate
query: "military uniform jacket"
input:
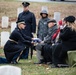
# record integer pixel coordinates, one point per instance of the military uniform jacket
(30, 21)
(19, 43)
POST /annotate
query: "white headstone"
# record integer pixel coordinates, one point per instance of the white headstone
(13, 26)
(5, 22)
(10, 70)
(4, 37)
(19, 10)
(57, 16)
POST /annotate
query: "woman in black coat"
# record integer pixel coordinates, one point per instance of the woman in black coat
(68, 42)
(16, 44)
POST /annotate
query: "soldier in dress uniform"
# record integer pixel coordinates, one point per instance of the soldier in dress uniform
(17, 43)
(30, 20)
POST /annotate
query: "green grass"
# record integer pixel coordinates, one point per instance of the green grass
(28, 68)
(8, 0)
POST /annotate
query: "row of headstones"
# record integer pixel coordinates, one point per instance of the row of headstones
(5, 19)
(5, 22)
(5, 34)
(13, 25)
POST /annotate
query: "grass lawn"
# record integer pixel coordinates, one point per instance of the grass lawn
(28, 68)
(7, 0)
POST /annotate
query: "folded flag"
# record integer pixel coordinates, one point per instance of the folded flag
(37, 40)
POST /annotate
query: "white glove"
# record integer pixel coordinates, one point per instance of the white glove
(61, 27)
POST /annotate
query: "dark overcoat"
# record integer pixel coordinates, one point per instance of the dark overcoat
(30, 21)
(58, 52)
(68, 43)
(13, 48)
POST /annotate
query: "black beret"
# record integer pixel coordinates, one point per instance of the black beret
(25, 4)
(54, 21)
(20, 22)
(70, 19)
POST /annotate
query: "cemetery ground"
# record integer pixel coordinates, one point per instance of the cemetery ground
(28, 68)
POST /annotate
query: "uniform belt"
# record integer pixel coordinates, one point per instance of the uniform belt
(13, 41)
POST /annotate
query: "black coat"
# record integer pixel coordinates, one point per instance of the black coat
(68, 37)
(68, 43)
(12, 48)
(58, 53)
(30, 21)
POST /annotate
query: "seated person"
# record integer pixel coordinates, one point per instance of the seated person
(17, 43)
(47, 49)
(47, 40)
(68, 37)
(68, 42)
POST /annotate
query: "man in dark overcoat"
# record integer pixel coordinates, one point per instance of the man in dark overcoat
(30, 20)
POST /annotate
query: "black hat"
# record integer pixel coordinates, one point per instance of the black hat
(20, 22)
(54, 21)
(25, 4)
(70, 19)
(44, 12)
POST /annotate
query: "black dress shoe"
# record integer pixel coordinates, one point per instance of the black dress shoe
(59, 66)
(54, 66)
(49, 63)
(63, 65)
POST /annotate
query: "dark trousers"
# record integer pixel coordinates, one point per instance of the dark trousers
(58, 54)
(54, 54)
(17, 56)
(25, 53)
(47, 53)
(3, 60)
